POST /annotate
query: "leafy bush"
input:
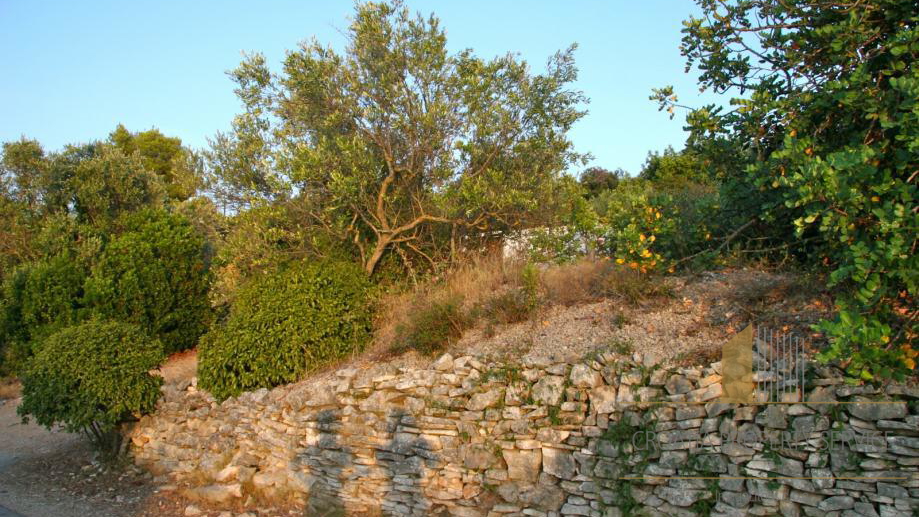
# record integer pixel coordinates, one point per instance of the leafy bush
(39, 299)
(284, 324)
(154, 275)
(433, 327)
(112, 183)
(648, 227)
(831, 112)
(91, 378)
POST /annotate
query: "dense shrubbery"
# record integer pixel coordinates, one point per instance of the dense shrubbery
(649, 227)
(828, 120)
(91, 378)
(39, 299)
(153, 274)
(97, 238)
(286, 323)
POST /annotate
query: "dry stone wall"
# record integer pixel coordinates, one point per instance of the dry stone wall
(604, 437)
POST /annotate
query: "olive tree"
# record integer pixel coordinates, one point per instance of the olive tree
(399, 145)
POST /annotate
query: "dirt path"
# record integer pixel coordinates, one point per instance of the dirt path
(40, 471)
(52, 473)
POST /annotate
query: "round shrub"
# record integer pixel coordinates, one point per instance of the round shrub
(38, 299)
(92, 377)
(154, 274)
(284, 324)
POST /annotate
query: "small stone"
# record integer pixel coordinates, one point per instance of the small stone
(678, 497)
(821, 399)
(549, 435)
(866, 409)
(443, 363)
(192, 510)
(764, 489)
(678, 384)
(480, 401)
(559, 463)
(774, 417)
(690, 412)
(805, 498)
(575, 509)
(736, 499)
(214, 493)
(478, 457)
(583, 376)
(546, 497)
(523, 465)
(839, 502)
(718, 408)
(603, 399)
(781, 465)
(710, 392)
(549, 390)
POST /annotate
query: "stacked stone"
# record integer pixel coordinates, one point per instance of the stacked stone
(469, 438)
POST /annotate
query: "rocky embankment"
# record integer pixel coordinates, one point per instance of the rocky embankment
(600, 437)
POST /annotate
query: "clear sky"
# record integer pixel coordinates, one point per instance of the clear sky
(72, 70)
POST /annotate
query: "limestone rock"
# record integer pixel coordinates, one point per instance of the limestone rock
(480, 401)
(443, 363)
(548, 498)
(583, 376)
(678, 384)
(839, 502)
(549, 390)
(523, 465)
(218, 494)
(478, 457)
(603, 399)
(866, 409)
(559, 463)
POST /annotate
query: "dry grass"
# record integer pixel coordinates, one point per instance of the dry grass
(468, 287)
(10, 388)
(590, 280)
(491, 291)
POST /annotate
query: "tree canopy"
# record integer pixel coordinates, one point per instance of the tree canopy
(826, 110)
(397, 144)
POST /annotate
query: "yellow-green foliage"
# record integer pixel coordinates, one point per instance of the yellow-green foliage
(287, 322)
(92, 377)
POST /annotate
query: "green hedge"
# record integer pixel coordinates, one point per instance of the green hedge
(154, 275)
(92, 377)
(284, 324)
(38, 299)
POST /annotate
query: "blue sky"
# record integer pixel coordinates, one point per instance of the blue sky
(73, 70)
